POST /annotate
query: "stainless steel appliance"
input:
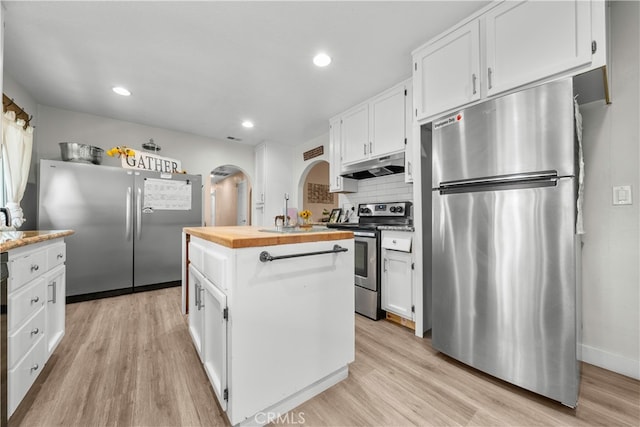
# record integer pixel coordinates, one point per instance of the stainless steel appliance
(128, 224)
(373, 217)
(504, 246)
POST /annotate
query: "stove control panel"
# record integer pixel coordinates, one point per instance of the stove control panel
(393, 209)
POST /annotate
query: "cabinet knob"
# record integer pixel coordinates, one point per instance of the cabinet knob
(34, 300)
(34, 267)
(35, 331)
(35, 367)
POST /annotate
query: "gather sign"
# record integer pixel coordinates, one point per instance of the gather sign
(151, 162)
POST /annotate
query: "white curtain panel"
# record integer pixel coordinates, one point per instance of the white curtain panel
(17, 143)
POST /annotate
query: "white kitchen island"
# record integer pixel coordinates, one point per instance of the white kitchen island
(275, 329)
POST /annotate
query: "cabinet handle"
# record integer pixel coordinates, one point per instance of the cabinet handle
(473, 79)
(35, 367)
(201, 303)
(370, 147)
(54, 292)
(34, 300)
(490, 73)
(365, 149)
(337, 181)
(60, 256)
(35, 331)
(197, 295)
(409, 168)
(35, 267)
(385, 264)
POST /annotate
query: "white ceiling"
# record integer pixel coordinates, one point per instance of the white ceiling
(203, 67)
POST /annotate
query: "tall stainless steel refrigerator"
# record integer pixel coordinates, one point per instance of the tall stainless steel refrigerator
(128, 224)
(505, 253)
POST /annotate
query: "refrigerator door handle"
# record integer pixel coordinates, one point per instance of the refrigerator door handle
(127, 221)
(532, 179)
(139, 213)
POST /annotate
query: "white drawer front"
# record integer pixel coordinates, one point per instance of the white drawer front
(22, 376)
(214, 268)
(56, 255)
(26, 268)
(25, 302)
(25, 337)
(196, 255)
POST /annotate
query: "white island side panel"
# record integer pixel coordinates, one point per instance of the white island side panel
(291, 323)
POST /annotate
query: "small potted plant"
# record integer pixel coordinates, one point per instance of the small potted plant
(306, 218)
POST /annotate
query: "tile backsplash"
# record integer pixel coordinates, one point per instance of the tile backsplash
(389, 188)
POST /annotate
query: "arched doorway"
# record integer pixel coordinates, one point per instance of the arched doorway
(230, 197)
(314, 191)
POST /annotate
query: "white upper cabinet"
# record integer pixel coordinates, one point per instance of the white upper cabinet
(337, 183)
(506, 46)
(378, 127)
(446, 72)
(530, 40)
(355, 134)
(388, 121)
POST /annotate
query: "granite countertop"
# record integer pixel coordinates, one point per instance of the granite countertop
(250, 236)
(15, 239)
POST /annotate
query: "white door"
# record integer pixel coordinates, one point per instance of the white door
(388, 121)
(242, 203)
(215, 340)
(195, 308)
(355, 134)
(447, 72)
(56, 293)
(397, 284)
(531, 40)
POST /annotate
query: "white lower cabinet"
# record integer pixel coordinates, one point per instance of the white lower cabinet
(56, 291)
(195, 308)
(214, 346)
(397, 273)
(263, 335)
(35, 313)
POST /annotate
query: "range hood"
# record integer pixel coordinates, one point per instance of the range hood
(372, 168)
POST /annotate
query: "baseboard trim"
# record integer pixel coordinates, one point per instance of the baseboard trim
(117, 292)
(612, 362)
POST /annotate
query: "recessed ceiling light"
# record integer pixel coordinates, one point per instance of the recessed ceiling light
(121, 91)
(322, 60)
(247, 124)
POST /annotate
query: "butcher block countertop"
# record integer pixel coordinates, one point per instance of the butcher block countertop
(15, 239)
(250, 236)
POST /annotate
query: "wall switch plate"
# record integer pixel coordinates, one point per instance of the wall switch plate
(622, 195)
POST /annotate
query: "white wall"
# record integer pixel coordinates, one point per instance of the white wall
(301, 167)
(198, 155)
(611, 252)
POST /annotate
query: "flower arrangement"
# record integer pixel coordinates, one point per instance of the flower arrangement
(121, 150)
(305, 215)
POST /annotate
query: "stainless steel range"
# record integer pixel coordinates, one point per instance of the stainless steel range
(373, 217)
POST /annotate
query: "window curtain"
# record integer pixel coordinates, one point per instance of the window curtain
(17, 143)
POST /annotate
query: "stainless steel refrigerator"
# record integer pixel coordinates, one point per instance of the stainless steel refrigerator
(505, 254)
(128, 224)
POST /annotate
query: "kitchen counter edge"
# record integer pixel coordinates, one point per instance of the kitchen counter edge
(236, 237)
(16, 239)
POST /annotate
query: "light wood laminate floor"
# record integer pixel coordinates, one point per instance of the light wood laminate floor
(129, 361)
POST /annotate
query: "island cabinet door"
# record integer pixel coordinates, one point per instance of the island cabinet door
(195, 308)
(214, 345)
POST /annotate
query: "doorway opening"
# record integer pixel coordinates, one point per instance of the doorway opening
(314, 191)
(230, 197)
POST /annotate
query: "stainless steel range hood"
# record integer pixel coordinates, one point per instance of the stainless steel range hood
(372, 168)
